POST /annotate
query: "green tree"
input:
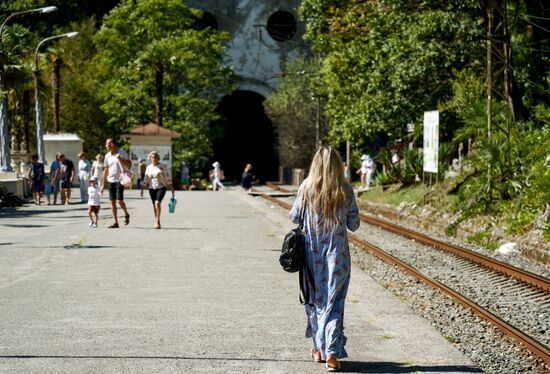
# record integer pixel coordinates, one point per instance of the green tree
(295, 110)
(155, 64)
(388, 61)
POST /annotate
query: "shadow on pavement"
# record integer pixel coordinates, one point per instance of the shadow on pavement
(24, 226)
(347, 366)
(398, 367)
(80, 246)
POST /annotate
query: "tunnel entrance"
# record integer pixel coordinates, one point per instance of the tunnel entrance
(244, 135)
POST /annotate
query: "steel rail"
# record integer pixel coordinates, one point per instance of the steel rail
(531, 344)
(488, 262)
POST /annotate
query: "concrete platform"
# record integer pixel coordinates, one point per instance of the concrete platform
(204, 294)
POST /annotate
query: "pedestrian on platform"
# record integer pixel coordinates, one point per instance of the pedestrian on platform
(36, 179)
(347, 175)
(157, 179)
(48, 188)
(248, 178)
(54, 177)
(217, 176)
(116, 161)
(363, 170)
(66, 178)
(97, 168)
(371, 170)
(141, 172)
(84, 169)
(185, 177)
(329, 209)
(94, 202)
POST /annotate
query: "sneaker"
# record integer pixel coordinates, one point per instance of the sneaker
(94, 225)
(90, 224)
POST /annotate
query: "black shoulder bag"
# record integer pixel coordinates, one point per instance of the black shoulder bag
(293, 258)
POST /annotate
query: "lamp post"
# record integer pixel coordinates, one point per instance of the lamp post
(37, 105)
(5, 160)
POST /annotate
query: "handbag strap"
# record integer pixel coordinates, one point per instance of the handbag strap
(307, 283)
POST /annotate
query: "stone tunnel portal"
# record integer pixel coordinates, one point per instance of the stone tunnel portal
(245, 135)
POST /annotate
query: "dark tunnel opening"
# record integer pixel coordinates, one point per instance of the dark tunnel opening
(244, 135)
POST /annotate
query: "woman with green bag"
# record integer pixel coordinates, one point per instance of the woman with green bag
(157, 179)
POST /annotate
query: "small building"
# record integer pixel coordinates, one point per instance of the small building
(151, 137)
(68, 144)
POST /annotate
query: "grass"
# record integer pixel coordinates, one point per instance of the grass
(395, 194)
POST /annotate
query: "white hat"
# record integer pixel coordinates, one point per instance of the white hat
(216, 164)
(93, 178)
(365, 157)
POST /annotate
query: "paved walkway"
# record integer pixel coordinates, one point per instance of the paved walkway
(204, 294)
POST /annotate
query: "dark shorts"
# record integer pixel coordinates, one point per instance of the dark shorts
(37, 186)
(157, 195)
(116, 191)
(65, 184)
(94, 208)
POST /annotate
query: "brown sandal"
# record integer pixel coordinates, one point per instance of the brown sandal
(126, 219)
(333, 364)
(316, 356)
(113, 226)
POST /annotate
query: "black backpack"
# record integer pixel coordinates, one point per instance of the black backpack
(293, 253)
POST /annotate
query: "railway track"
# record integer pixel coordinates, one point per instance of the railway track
(515, 301)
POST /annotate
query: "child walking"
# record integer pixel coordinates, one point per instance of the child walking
(93, 202)
(47, 188)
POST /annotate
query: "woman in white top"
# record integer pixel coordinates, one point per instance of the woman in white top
(83, 176)
(157, 180)
(97, 168)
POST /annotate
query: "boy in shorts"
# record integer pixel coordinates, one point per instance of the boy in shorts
(93, 202)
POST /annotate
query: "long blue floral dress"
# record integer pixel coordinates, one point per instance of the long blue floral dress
(329, 259)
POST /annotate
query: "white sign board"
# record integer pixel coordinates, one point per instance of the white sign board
(141, 151)
(431, 141)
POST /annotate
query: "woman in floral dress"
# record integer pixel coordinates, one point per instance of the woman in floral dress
(329, 210)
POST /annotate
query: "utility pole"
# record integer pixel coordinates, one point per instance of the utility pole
(507, 52)
(489, 88)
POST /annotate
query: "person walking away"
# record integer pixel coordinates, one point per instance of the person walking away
(218, 176)
(36, 179)
(248, 177)
(94, 202)
(66, 178)
(157, 179)
(347, 176)
(115, 160)
(48, 188)
(371, 169)
(97, 168)
(84, 169)
(185, 177)
(54, 177)
(363, 171)
(141, 172)
(329, 210)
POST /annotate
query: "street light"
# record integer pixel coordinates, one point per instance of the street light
(5, 160)
(38, 107)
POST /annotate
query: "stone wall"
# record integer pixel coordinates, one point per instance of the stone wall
(262, 35)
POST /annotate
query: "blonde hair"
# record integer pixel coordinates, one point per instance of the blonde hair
(325, 188)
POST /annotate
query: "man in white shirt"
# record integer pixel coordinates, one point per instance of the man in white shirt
(116, 161)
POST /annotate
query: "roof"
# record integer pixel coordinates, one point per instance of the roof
(61, 136)
(152, 129)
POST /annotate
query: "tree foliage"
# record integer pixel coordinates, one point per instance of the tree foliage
(137, 36)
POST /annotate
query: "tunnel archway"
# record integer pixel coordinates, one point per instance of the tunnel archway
(243, 135)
